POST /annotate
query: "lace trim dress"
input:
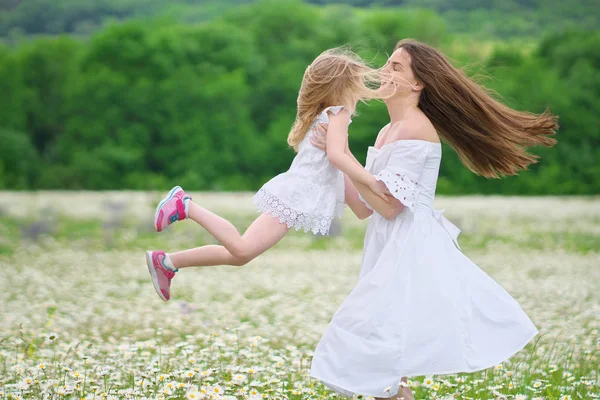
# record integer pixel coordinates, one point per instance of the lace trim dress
(311, 193)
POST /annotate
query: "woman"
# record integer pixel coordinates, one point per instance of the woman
(420, 306)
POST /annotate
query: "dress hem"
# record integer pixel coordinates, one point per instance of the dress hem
(267, 203)
(350, 393)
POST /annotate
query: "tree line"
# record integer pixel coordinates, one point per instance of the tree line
(146, 103)
(485, 18)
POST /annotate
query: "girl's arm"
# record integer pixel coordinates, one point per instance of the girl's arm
(351, 194)
(389, 209)
(351, 197)
(351, 155)
(337, 137)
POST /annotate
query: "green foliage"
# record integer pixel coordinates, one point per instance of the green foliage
(500, 18)
(146, 103)
(18, 160)
(84, 17)
(46, 67)
(12, 92)
(486, 18)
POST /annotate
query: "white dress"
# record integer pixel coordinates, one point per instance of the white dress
(420, 306)
(311, 193)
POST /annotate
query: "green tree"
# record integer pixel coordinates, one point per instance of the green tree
(47, 66)
(18, 161)
(12, 92)
(146, 103)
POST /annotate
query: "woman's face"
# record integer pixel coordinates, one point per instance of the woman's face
(397, 74)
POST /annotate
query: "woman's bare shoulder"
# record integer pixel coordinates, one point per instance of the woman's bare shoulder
(417, 127)
(382, 132)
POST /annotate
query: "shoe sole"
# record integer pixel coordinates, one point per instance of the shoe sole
(153, 275)
(162, 203)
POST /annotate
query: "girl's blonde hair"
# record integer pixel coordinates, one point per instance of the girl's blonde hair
(336, 77)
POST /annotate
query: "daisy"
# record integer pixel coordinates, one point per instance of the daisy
(428, 382)
(189, 374)
(51, 337)
(193, 395)
(218, 390)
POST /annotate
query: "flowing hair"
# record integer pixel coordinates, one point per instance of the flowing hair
(489, 137)
(336, 77)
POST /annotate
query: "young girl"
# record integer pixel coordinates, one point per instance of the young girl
(308, 196)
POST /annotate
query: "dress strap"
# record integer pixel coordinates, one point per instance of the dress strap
(334, 109)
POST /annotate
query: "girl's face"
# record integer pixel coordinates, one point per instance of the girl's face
(397, 74)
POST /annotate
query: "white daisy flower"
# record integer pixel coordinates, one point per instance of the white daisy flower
(218, 390)
(51, 337)
(428, 381)
(194, 395)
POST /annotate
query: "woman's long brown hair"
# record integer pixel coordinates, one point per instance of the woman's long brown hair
(489, 137)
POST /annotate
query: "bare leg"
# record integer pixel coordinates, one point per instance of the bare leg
(404, 393)
(204, 256)
(260, 236)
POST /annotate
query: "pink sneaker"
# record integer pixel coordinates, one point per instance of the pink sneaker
(170, 209)
(161, 275)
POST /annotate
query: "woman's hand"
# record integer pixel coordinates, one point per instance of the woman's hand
(319, 139)
(380, 189)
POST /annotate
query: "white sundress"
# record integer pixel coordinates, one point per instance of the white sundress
(420, 306)
(311, 193)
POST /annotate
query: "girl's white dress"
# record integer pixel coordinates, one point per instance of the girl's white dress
(311, 193)
(420, 307)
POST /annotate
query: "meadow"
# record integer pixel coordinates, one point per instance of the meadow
(79, 318)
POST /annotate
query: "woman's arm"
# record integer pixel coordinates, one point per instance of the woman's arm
(337, 137)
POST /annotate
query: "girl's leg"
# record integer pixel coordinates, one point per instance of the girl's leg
(263, 234)
(260, 236)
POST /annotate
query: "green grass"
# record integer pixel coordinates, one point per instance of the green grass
(126, 235)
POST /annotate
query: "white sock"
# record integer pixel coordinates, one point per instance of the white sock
(168, 263)
(186, 203)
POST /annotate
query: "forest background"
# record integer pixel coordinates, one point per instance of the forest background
(142, 94)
